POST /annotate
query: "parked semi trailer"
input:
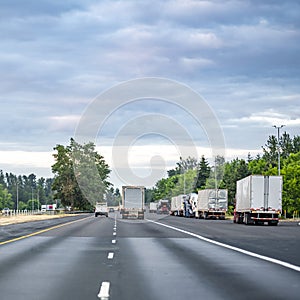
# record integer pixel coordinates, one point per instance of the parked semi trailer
(133, 201)
(211, 203)
(177, 205)
(258, 200)
(153, 207)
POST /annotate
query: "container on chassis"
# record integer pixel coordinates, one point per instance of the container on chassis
(258, 200)
(212, 203)
(133, 199)
(177, 205)
(153, 207)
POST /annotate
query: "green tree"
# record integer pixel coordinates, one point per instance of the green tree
(5, 198)
(203, 173)
(296, 144)
(216, 174)
(163, 187)
(234, 171)
(286, 145)
(33, 204)
(291, 183)
(271, 151)
(80, 175)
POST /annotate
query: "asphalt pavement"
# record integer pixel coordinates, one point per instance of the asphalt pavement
(162, 257)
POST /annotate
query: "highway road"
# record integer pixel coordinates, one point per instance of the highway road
(162, 257)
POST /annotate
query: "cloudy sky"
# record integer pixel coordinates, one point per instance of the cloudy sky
(57, 58)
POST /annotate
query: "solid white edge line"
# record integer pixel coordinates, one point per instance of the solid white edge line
(110, 255)
(266, 258)
(104, 290)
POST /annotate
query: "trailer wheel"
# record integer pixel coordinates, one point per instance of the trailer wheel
(272, 223)
(247, 219)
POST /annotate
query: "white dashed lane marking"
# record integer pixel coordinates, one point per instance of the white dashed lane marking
(104, 290)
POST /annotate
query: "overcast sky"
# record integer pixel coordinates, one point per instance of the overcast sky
(57, 57)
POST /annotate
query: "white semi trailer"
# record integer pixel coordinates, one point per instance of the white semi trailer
(133, 202)
(177, 205)
(153, 207)
(258, 200)
(212, 203)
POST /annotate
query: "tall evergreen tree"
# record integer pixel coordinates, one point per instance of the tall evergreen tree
(203, 173)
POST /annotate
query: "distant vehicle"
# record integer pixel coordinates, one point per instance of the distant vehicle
(258, 200)
(153, 207)
(101, 209)
(48, 207)
(133, 202)
(211, 204)
(111, 209)
(177, 205)
(5, 211)
(163, 206)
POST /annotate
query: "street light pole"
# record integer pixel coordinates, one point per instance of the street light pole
(183, 171)
(32, 204)
(278, 135)
(17, 196)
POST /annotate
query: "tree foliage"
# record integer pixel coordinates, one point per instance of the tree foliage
(22, 189)
(80, 175)
(228, 173)
(5, 198)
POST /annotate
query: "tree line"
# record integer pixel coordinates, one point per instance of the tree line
(81, 177)
(189, 175)
(24, 192)
(80, 180)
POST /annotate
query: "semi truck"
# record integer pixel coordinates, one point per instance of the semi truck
(177, 205)
(258, 200)
(101, 209)
(153, 207)
(163, 206)
(211, 204)
(133, 202)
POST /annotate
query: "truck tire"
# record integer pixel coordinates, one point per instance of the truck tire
(273, 223)
(240, 219)
(247, 219)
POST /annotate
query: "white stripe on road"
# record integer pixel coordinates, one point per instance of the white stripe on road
(104, 290)
(113, 241)
(114, 233)
(110, 255)
(266, 258)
